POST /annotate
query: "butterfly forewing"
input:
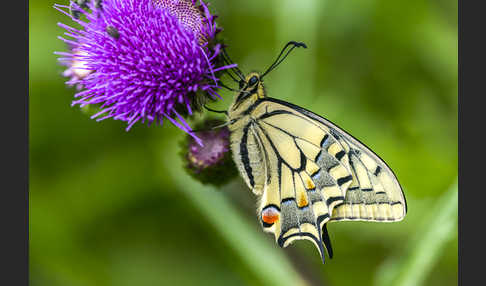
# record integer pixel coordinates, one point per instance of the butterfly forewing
(374, 193)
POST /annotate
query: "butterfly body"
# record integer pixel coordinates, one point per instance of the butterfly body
(305, 170)
(248, 157)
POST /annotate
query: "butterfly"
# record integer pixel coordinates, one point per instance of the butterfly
(305, 170)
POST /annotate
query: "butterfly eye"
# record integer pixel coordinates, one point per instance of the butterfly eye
(253, 80)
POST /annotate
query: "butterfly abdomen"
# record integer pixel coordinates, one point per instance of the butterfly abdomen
(248, 156)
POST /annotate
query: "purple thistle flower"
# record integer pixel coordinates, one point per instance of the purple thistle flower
(143, 60)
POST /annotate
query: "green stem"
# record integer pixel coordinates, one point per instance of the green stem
(266, 261)
(424, 250)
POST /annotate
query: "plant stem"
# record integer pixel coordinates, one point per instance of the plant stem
(266, 261)
(424, 250)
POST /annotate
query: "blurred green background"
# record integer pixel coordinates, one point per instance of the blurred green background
(109, 207)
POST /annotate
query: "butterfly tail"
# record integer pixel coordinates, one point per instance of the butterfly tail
(327, 241)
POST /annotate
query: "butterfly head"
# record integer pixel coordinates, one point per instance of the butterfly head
(251, 89)
(253, 85)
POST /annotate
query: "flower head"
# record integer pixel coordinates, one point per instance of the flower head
(142, 60)
(212, 162)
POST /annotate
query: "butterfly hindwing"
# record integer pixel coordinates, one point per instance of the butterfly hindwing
(249, 155)
(307, 174)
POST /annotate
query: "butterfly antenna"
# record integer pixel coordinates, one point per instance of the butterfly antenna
(280, 58)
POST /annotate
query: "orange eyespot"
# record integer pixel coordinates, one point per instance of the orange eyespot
(270, 215)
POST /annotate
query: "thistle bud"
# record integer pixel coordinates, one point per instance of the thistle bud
(212, 162)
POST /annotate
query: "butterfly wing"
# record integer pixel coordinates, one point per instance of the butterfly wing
(303, 166)
(374, 193)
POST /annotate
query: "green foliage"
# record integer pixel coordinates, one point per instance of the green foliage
(109, 207)
(424, 248)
